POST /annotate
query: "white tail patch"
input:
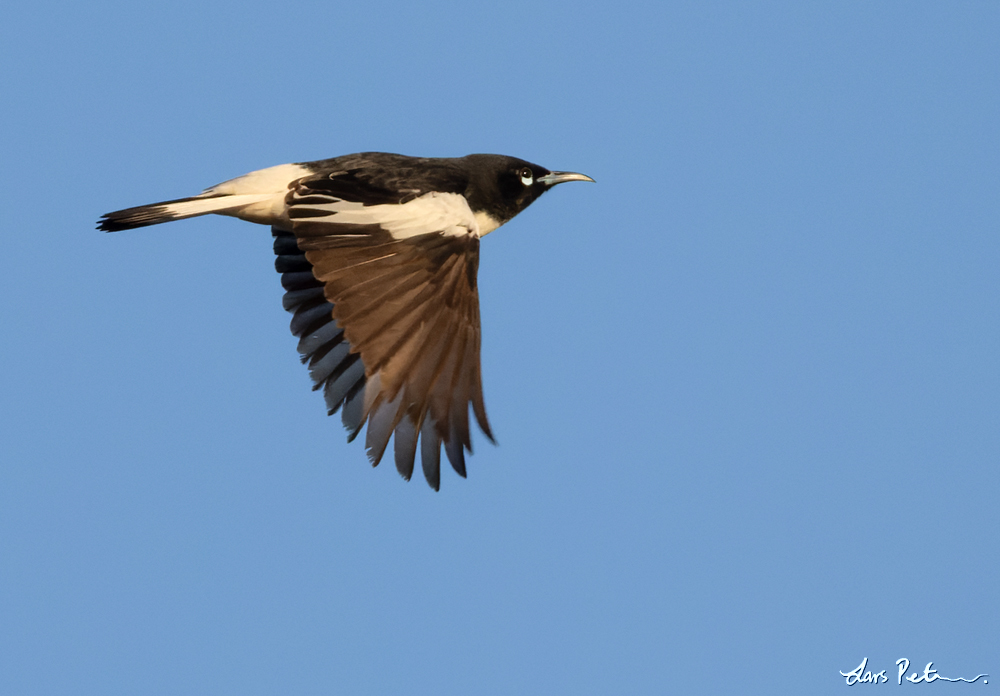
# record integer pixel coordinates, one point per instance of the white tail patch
(255, 197)
(270, 180)
(258, 196)
(190, 207)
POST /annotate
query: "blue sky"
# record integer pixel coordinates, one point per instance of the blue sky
(746, 387)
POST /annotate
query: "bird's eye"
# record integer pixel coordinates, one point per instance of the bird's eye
(527, 176)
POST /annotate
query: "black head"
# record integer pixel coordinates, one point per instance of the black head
(503, 186)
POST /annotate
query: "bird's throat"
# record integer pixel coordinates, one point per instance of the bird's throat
(487, 223)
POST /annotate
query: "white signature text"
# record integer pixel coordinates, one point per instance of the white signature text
(862, 675)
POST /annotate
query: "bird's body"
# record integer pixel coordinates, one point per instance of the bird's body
(378, 255)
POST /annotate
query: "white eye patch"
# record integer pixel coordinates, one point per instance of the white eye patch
(527, 178)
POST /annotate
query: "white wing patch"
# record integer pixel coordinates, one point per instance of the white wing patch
(444, 213)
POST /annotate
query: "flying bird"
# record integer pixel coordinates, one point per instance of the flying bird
(378, 255)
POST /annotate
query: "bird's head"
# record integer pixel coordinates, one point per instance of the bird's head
(501, 186)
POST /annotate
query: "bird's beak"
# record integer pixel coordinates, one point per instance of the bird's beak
(553, 178)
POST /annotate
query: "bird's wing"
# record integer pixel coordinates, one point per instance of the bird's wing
(383, 290)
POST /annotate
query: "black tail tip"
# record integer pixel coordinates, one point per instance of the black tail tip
(113, 222)
(106, 224)
(131, 218)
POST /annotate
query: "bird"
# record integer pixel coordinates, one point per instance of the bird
(378, 255)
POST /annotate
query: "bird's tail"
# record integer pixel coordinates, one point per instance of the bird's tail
(167, 211)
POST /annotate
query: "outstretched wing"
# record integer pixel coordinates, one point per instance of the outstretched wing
(383, 289)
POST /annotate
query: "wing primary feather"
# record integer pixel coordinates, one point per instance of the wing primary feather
(405, 446)
(458, 409)
(430, 453)
(456, 453)
(299, 280)
(294, 298)
(381, 422)
(291, 263)
(285, 243)
(444, 352)
(353, 414)
(308, 319)
(338, 386)
(479, 408)
(322, 367)
(454, 438)
(436, 342)
(312, 342)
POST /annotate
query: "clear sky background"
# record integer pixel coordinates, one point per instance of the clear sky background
(746, 387)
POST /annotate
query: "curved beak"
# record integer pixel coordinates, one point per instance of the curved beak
(553, 178)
